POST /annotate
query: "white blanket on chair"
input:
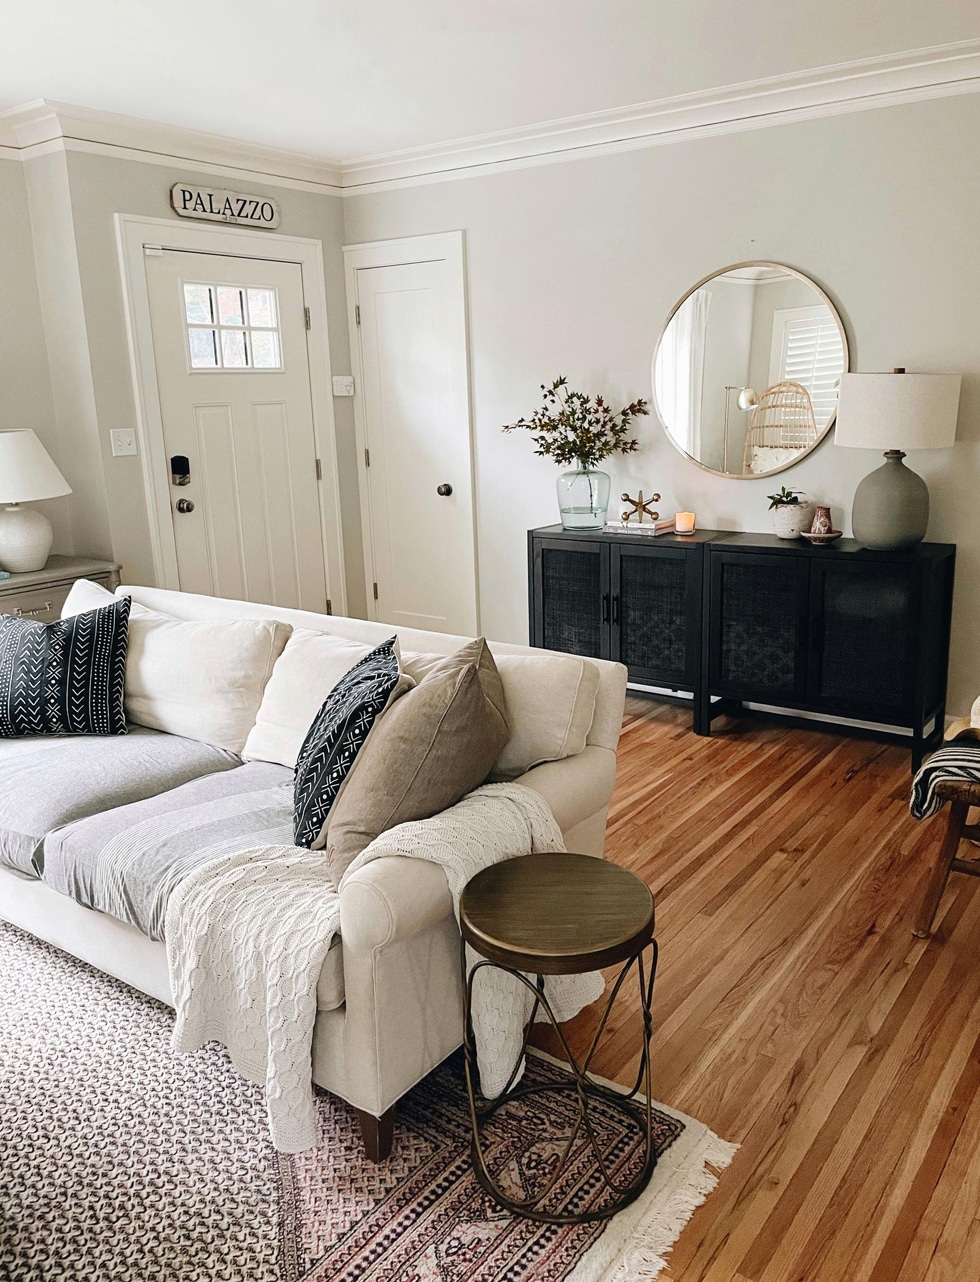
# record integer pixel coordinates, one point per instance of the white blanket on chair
(247, 936)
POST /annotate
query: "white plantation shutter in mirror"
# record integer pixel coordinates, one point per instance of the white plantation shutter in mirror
(807, 349)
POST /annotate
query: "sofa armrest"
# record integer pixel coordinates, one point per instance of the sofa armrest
(577, 787)
(390, 899)
(395, 897)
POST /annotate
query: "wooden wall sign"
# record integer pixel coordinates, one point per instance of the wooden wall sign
(218, 206)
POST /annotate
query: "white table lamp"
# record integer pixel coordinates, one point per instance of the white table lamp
(27, 473)
(895, 412)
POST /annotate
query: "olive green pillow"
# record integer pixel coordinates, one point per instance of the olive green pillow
(432, 747)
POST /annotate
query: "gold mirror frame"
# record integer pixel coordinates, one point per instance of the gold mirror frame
(722, 271)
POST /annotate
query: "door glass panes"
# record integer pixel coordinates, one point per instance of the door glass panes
(231, 327)
(231, 306)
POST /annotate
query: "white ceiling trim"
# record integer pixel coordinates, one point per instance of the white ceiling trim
(41, 124)
(888, 80)
(824, 91)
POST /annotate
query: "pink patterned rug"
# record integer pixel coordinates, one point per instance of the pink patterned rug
(121, 1161)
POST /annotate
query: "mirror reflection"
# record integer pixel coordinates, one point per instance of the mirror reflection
(747, 370)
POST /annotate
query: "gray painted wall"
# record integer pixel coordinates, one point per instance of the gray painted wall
(572, 268)
(25, 383)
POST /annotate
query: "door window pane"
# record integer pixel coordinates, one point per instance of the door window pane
(204, 351)
(232, 327)
(233, 349)
(265, 349)
(262, 308)
(198, 305)
(230, 307)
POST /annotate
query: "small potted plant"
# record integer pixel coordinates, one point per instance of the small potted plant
(573, 428)
(790, 513)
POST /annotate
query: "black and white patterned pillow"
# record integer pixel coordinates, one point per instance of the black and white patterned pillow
(66, 677)
(337, 735)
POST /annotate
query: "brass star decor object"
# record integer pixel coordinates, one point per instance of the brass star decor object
(639, 506)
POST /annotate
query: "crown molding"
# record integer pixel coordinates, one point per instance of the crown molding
(861, 85)
(883, 81)
(45, 124)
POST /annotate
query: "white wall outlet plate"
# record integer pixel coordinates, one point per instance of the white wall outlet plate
(343, 385)
(123, 441)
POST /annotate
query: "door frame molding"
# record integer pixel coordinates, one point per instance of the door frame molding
(401, 252)
(133, 232)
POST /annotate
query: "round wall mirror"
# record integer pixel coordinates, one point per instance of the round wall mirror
(747, 370)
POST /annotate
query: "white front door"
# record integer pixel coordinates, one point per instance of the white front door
(229, 343)
(415, 424)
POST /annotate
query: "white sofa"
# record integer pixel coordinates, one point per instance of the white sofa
(389, 997)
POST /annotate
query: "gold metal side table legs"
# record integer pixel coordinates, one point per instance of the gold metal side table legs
(637, 1115)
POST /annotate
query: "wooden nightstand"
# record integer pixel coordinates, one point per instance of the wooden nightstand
(40, 594)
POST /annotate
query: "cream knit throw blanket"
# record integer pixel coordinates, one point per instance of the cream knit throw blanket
(247, 935)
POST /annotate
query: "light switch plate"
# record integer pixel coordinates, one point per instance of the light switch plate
(343, 385)
(123, 441)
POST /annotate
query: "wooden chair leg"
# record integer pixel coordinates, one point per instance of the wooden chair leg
(377, 1133)
(958, 811)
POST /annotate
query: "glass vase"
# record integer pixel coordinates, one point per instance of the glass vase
(583, 498)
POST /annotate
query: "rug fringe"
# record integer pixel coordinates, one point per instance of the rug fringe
(644, 1258)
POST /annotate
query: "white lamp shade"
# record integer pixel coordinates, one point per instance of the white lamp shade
(898, 411)
(27, 470)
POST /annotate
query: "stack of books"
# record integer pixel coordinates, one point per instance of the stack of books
(666, 526)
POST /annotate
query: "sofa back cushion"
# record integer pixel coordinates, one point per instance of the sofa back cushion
(307, 670)
(550, 704)
(202, 680)
(427, 752)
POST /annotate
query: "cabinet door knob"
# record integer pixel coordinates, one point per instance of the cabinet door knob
(185, 505)
(444, 490)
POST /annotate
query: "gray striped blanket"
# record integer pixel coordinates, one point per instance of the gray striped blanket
(959, 761)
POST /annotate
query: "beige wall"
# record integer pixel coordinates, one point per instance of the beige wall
(25, 383)
(572, 268)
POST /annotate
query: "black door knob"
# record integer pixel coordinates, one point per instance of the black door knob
(444, 490)
(184, 505)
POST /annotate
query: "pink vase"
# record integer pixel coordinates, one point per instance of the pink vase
(822, 523)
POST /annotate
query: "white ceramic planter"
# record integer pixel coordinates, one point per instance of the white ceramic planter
(789, 518)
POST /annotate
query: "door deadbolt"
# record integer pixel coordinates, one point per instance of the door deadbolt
(185, 505)
(180, 470)
(444, 490)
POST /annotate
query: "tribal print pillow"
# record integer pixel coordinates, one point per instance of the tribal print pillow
(66, 677)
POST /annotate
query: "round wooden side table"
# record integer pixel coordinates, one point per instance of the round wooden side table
(563, 914)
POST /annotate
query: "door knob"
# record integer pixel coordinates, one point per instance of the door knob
(184, 505)
(444, 490)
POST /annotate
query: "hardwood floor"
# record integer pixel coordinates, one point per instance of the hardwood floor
(795, 1012)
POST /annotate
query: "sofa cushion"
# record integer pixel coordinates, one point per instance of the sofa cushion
(47, 782)
(126, 861)
(550, 704)
(64, 677)
(305, 673)
(338, 733)
(201, 680)
(432, 748)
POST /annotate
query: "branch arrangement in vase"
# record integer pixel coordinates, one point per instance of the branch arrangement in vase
(572, 427)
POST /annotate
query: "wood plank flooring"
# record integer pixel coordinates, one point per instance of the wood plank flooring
(795, 1012)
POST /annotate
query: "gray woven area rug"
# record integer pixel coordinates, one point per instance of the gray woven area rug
(119, 1160)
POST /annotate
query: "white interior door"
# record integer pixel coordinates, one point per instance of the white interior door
(229, 344)
(415, 421)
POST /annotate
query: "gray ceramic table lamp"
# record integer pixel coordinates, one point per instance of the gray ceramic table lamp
(895, 412)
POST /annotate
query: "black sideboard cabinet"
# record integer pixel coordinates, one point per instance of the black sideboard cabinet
(629, 597)
(724, 619)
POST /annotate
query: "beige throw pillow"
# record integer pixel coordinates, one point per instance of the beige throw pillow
(199, 679)
(431, 748)
(305, 673)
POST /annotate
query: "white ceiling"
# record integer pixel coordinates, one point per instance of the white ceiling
(342, 79)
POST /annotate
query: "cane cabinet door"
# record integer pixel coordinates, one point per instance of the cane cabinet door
(758, 639)
(570, 597)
